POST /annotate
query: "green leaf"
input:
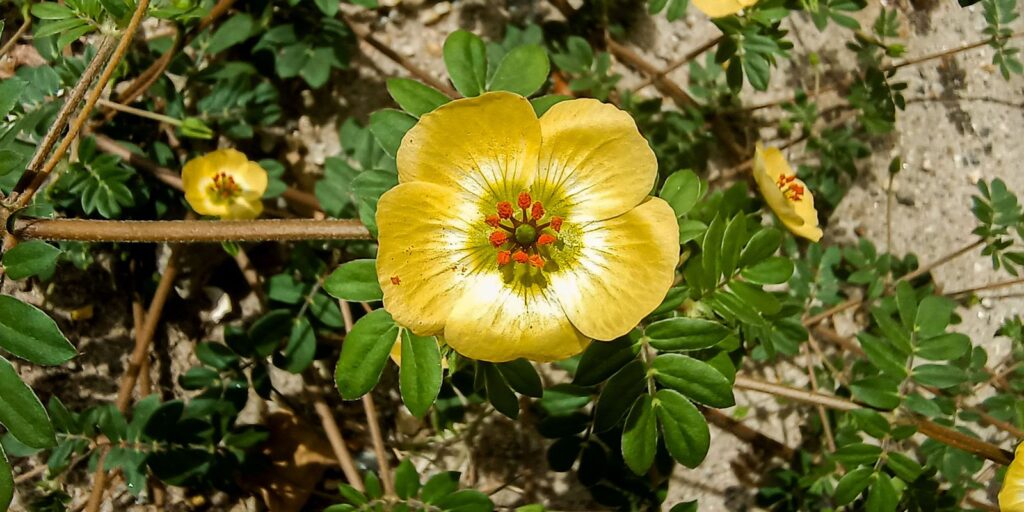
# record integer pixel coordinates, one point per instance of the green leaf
(30, 334)
(466, 500)
(522, 71)
(301, 347)
(933, 315)
(640, 436)
(71, 35)
(30, 258)
(851, 485)
(906, 304)
(364, 354)
(21, 412)
(880, 392)
(858, 454)
(944, 347)
(732, 241)
(328, 7)
(439, 486)
(618, 394)
(407, 480)
(421, 372)
(355, 281)
(10, 92)
(906, 468)
(882, 496)
(773, 270)
(543, 103)
(602, 359)
(684, 333)
(6, 481)
(465, 56)
(939, 375)
(763, 244)
(682, 190)
(882, 355)
(415, 97)
(753, 295)
(389, 126)
(522, 377)
(690, 229)
(51, 11)
(695, 379)
(269, 331)
(498, 392)
(236, 29)
(685, 430)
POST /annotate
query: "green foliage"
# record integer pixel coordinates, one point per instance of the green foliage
(439, 492)
(32, 258)
(365, 351)
(999, 14)
(999, 218)
(751, 46)
(355, 281)
(591, 74)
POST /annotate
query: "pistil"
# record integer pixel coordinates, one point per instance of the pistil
(519, 238)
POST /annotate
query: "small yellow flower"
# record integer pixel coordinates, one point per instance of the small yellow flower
(514, 236)
(1011, 497)
(722, 8)
(224, 184)
(785, 194)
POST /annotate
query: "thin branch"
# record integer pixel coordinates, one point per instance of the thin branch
(99, 484)
(16, 36)
(682, 61)
(189, 231)
(667, 87)
(83, 116)
(372, 418)
(799, 395)
(338, 445)
(985, 287)
(747, 434)
(160, 118)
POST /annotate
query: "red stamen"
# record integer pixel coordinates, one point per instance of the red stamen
(546, 239)
(524, 200)
(395, 280)
(795, 192)
(537, 211)
(493, 221)
(784, 180)
(520, 257)
(505, 209)
(556, 224)
(498, 238)
(504, 257)
(537, 261)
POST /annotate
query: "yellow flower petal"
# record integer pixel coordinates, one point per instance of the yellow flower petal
(500, 321)
(624, 268)
(1011, 497)
(198, 181)
(799, 216)
(594, 164)
(484, 146)
(430, 242)
(722, 8)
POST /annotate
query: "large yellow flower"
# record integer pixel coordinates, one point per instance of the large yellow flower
(1011, 497)
(785, 194)
(721, 8)
(224, 184)
(522, 237)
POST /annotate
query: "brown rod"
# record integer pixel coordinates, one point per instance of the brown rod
(189, 231)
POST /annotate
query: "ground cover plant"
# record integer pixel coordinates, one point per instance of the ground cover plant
(258, 258)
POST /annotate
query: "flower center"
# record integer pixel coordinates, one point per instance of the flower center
(792, 191)
(523, 240)
(224, 187)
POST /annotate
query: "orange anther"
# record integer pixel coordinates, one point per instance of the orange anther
(498, 238)
(520, 257)
(504, 257)
(546, 239)
(524, 200)
(784, 180)
(505, 209)
(537, 211)
(537, 261)
(556, 224)
(493, 221)
(395, 280)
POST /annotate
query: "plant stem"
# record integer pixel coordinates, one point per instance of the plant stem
(685, 59)
(16, 36)
(76, 126)
(985, 287)
(338, 443)
(372, 418)
(799, 395)
(139, 112)
(189, 231)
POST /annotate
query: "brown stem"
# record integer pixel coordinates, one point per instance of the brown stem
(338, 443)
(16, 36)
(667, 87)
(985, 287)
(799, 395)
(189, 231)
(372, 418)
(822, 414)
(103, 52)
(99, 484)
(956, 439)
(90, 102)
(219, 9)
(682, 61)
(747, 434)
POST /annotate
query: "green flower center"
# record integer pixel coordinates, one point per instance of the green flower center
(526, 234)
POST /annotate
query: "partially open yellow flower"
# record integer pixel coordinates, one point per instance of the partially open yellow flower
(224, 184)
(518, 237)
(785, 194)
(722, 8)
(1011, 497)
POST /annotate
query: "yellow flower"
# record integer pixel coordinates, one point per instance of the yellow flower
(785, 194)
(1011, 497)
(721, 8)
(224, 184)
(517, 237)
